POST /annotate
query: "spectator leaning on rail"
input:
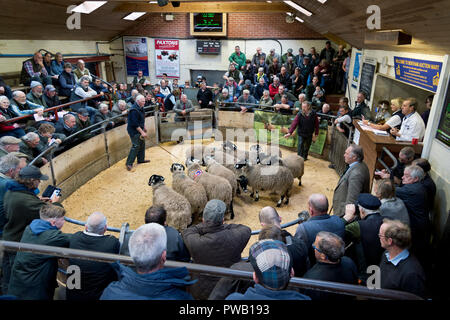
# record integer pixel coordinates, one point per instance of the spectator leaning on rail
(22, 107)
(6, 113)
(405, 158)
(206, 240)
(183, 108)
(399, 269)
(29, 146)
(9, 144)
(33, 275)
(95, 276)
(246, 102)
(103, 114)
(120, 108)
(273, 270)
(36, 94)
(151, 281)
(176, 249)
(51, 96)
(332, 265)
(137, 132)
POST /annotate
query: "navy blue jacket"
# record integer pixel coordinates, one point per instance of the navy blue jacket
(136, 118)
(164, 284)
(308, 230)
(260, 293)
(414, 196)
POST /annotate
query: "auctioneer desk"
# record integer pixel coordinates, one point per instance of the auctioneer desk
(373, 144)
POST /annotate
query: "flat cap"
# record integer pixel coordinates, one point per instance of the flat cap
(368, 201)
(214, 211)
(9, 140)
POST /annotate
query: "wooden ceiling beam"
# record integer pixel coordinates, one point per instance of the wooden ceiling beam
(205, 7)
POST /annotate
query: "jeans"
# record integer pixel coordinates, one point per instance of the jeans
(137, 150)
(303, 146)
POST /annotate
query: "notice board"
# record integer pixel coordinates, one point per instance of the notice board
(367, 75)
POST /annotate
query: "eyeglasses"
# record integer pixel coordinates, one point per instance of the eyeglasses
(381, 236)
(315, 248)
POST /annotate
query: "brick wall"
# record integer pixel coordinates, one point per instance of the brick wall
(240, 25)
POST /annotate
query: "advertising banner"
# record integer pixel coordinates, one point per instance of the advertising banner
(269, 124)
(136, 55)
(167, 57)
(422, 73)
(356, 67)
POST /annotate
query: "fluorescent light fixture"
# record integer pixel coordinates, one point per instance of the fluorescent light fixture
(153, 2)
(89, 6)
(269, 1)
(299, 8)
(322, 1)
(296, 18)
(135, 15)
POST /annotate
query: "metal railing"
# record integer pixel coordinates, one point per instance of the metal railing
(390, 155)
(331, 287)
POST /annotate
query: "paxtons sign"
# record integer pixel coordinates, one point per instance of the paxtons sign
(167, 57)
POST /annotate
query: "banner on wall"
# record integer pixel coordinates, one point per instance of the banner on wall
(267, 124)
(136, 55)
(167, 57)
(356, 68)
(421, 73)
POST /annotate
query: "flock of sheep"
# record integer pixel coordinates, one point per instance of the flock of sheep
(227, 170)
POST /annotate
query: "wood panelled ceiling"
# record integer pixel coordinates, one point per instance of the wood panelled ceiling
(427, 21)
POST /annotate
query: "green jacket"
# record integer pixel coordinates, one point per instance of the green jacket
(240, 60)
(33, 276)
(31, 153)
(40, 101)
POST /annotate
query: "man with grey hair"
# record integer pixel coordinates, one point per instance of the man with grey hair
(95, 276)
(29, 146)
(120, 108)
(131, 100)
(103, 114)
(246, 102)
(9, 144)
(414, 195)
(183, 108)
(354, 180)
(151, 281)
(81, 71)
(22, 107)
(137, 132)
(214, 243)
(332, 265)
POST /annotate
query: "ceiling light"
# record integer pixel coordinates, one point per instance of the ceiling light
(89, 6)
(322, 1)
(153, 2)
(299, 8)
(135, 15)
(296, 18)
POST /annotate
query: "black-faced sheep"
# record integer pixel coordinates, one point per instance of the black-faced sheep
(198, 151)
(177, 206)
(216, 187)
(277, 179)
(191, 190)
(293, 162)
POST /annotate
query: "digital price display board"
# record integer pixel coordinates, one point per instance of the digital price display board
(208, 24)
(208, 47)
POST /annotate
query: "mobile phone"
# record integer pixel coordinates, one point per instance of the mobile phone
(51, 191)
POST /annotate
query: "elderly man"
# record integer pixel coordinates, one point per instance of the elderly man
(355, 180)
(131, 100)
(95, 276)
(274, 69)
(83, 91)
(237, 58)
(233, 89)
(36, 94)
(308, 125)
(246, 102)
(137, 132)
(224, 98)
(120, 108)
(82, 122)
(282, 91)
(29, 146)
(363, 233)
(9, 144)
(67, 125)
(405, 158)
(205, 97)
(285, 77)
(206, 240)
(51, 96)
(412, 126)
(272, 272)
(258, 56)
(272, 55)
(34, 69)
(22, 107)
(183, 108)
(332, 265)
(399, 269)
(427, 181)
(298, 104)
(81, 71)
(67, 81)
(150, 281)
(361, 109)
(391, 207)
(103, 114)
(235, 74)
(259, 88)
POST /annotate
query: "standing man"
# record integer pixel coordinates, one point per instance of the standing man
(138, 133)
(361, 109)
(237, 58)
(355, 180)
(412, 124)
(205, 97)
(308, 124)
(258, 56)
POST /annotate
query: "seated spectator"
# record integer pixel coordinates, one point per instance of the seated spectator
(122, 93)
(259, 55)
(120, 108)
(81, 71)
(248, 86)
(204, 97)
(9, 144)
(361, 110)
(261, 74)
(22, 206)
(272, 55)
(285, 78)
(290, 65)
(274, 87)
(47, 137)
(297, 82)
(183, 108)
(169, 99)
(382, 112)
(150, 281)
(266, 101)
(318, 98)
(205, 244)
(314, 73)
(99, 88)
(47, 61)
(224, 99)
(103, 114)
(326, 110)
(319, 220)
(344, 117)
(34, 70)
(233, 89)
(305, 69)
(58, 64)
(332, 265)
(274, 69)
(29, 146)
(82, 122)
(237, 58)
(298, 104)
(273, 270)
(139, 78)
(249, 71)
(366, 249)
(6, 113)
(399, 269)
(391, 207)
(95, 276)
(33, 276)
(259, 88)
(287, 55)
(167, 81)
(284, 106)
(176, 249)
(36, 94)
(67, 81)
(311, 88)
(427, 181)
(263, 64)
(5, 89)
(51, 96)
(282, 91)
(83, 91)
(394, 121)
(426, 114)
(405, 158)
(235, 74)
(246, 102)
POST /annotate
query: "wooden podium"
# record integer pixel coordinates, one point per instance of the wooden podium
(373, 144)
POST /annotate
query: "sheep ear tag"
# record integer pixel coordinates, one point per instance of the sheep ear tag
(198, 173)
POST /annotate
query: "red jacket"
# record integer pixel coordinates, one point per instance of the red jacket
(273, 90)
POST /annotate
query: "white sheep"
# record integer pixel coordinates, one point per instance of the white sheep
(215, 168)
(293, 162)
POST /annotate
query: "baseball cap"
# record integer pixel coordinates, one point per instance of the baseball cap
(50, 87)
(32, 172)
(34, 84)
(368, 201)
(83, 112)
(272, 263)
(199, 76)
(290, 50)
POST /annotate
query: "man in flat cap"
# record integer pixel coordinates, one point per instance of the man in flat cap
(36, 94)
(9, 144)
(364, 232)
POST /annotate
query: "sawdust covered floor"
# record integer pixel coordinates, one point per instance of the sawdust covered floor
(124, 196)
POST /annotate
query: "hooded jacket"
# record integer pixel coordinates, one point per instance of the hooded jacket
(164, 284)
(258, 292)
